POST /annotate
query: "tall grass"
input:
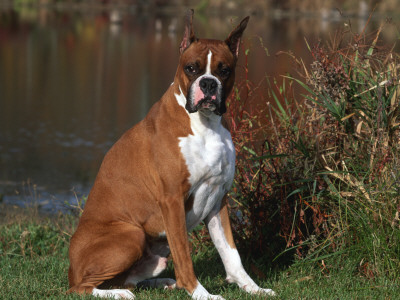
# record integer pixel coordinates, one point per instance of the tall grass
(321, 181)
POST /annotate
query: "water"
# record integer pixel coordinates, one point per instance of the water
(72, 81)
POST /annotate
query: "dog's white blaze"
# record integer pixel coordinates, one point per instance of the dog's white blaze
(113, 294)
(208, 67)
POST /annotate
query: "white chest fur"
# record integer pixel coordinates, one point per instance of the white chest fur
(210, 157)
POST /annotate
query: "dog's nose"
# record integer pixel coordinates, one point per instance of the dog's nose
(208, 86)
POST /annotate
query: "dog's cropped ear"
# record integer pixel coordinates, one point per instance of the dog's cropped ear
(188, 35)
(233, 41)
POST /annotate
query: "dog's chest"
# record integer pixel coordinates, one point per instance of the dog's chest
(210, 157)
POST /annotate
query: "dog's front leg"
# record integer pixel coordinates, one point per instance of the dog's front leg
(221, 234)
(173, 212)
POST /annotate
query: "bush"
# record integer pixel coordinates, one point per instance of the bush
(320, 176)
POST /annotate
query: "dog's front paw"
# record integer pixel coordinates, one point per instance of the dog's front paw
(208, 297)
(268, 292)
(216, 297)
(247, 284)
(113, 294)
(255, 289)
(200, 293)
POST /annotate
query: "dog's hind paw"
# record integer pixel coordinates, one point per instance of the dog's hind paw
(168, 283)
(157, 283)
(113, 294)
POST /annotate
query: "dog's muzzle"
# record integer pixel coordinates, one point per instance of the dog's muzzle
(206, 93)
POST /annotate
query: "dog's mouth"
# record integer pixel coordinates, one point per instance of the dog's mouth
(212, 104)
(207, 103)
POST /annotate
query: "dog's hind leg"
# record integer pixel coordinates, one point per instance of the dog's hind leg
(147, 267)
(111, 251)
(151, 265)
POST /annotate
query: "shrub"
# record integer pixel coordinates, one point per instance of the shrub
(320, 175)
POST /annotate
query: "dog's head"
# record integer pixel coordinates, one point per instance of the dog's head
(206, 69)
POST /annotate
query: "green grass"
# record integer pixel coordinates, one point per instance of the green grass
(34, 264)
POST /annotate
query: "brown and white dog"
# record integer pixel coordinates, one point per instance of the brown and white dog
(163, 177)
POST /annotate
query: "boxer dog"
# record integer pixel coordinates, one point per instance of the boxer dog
(163, 177)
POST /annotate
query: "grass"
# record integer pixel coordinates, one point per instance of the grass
(34, 264)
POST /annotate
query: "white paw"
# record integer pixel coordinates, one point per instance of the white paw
(200, 293)
(247, 284)
(268, 292)
(218, 297)
(113, 294)
(207, 297)
(255, 289)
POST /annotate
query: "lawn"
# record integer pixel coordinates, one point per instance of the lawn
(34, 265)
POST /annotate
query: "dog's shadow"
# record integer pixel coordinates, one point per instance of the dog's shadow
(209, 270)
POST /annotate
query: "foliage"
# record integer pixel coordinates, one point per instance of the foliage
(325, 172)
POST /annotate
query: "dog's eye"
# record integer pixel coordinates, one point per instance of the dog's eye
(191, 69)
(225, 72)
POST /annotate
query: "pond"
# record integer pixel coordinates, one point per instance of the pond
(73, 80)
